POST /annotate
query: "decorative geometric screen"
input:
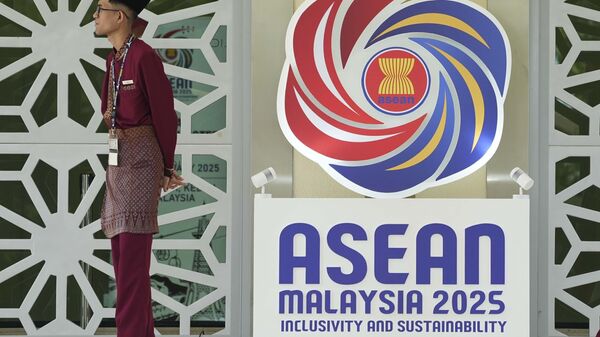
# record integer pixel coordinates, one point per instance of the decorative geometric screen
(574, 167)
(56, 275)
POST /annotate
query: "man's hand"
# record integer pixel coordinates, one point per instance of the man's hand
(172, 182)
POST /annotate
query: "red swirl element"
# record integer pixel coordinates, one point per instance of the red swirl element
(315, 110)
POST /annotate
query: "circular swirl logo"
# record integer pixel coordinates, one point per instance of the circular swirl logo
(394, 97)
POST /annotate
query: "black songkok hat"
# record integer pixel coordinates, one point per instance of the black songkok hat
(136, 5)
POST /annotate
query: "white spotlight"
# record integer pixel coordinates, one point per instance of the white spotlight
(264, 177)
(522, 179)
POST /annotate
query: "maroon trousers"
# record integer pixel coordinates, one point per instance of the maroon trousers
(131, 260)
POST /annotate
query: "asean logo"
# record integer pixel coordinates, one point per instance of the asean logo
(393, 97)
(395, 81)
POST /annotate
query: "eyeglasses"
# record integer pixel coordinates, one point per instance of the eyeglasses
(100, 9)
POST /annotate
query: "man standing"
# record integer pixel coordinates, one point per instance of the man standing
(137, 106)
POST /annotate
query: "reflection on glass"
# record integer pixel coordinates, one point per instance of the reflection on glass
(591, 4)
(563, 45)
(587, 230)
(44, 307)
(12, 162)
(45, 178)
(212, 169)
(567, 317)
(19, 201)
(80, 108)
(211, 119)
(571, 170)
(166, 6)
(10, 55)
(586, 262)
(569, 120)
(588, 30)
(587, 198)
(562, 246)
(15, 88)
(45, 108)
(219, 43)
(587, 293)
(587, 92)
(586, 61)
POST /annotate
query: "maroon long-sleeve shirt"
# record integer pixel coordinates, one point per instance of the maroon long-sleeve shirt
(145, 97)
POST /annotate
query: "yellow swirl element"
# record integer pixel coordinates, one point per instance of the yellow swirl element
(396, 71)
(431, 146)
(440, 19)
(476, 95)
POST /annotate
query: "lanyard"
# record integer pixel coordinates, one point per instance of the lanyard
(117, 85)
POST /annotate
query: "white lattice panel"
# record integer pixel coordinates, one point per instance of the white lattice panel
(574, 164)
(63, 143)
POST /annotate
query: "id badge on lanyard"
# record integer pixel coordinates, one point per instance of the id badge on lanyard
(113, 148)
(113, 139)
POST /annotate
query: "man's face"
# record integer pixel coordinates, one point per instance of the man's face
(106, 18)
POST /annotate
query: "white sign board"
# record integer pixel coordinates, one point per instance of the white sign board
(379, 267)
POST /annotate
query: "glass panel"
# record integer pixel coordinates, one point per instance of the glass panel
(587, 92)
(25, 8)
(214, 312)
(562, 246)
(73, 5)
(165, 6)
(186, 29)
(188, 91)
(588, 30)
(588, 198)
(45, 107)
(570, 121)
(9, 230)
(218, 244)
(45, 178)
(80, 108)
(567, 317)
(587, 230)
(96, 75)
(212, 169)
(563, 45)
(53, 4)
(89, 15)
(586, 61)
(210, 119)
(185, 197)
(12, 124)
(12, 162)
(104, 286)
(571, 170)
(16, 87)
(18, 201)
(163, 316)
(10, 257)
(187, 229)
(9, 28)
(587, 262)
(592, 4)
(186, 58)
(15, 288)
(587, 293)
(219, 44)
(76, 184)
(78, 309)
(10, 55)
(191, 260)
(44, 308)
